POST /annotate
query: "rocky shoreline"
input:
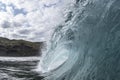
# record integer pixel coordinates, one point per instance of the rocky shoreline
(20, 48)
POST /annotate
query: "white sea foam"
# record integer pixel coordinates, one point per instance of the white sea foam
(19, 58)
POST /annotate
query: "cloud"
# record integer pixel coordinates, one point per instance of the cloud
(32, 20)
(25, 32)
(6, 24)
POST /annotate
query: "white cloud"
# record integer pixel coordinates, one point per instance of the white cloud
(32, 20)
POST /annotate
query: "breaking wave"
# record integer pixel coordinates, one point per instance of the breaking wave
(87, 45)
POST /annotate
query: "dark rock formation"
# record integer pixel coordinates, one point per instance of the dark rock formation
(19, 48)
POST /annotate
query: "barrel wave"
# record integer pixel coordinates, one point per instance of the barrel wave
(87, 45)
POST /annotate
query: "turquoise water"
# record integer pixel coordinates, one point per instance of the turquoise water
(87, 45)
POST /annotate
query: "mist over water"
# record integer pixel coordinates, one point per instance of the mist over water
(87, 45)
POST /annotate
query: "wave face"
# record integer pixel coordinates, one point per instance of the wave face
(87, 45)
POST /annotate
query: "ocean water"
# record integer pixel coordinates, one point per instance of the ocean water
(87, 45)
(19, 68)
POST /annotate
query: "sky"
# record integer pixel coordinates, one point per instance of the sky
(32, 20)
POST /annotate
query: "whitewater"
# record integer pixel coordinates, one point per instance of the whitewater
(86, 46)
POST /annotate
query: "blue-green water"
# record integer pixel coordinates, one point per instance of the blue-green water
(87, 45)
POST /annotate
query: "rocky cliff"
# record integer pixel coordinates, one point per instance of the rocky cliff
(19, 48)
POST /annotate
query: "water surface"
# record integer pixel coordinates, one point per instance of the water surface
(19, 68)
